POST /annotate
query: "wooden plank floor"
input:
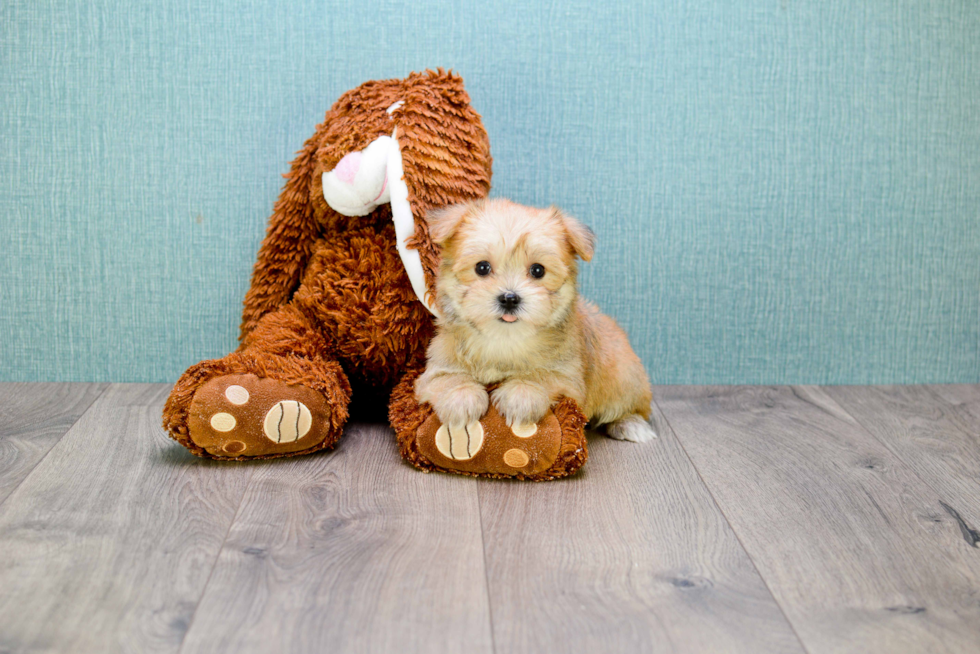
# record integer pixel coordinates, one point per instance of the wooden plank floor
(764, 519)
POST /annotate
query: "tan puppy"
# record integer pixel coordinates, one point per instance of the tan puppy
(510, 314)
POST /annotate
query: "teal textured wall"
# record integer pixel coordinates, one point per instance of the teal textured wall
(783, 191)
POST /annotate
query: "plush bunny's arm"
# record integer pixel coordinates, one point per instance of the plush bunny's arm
(287, 246)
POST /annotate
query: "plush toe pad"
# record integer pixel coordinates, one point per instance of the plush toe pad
(287, 421)
(460, 443)
(238, 416)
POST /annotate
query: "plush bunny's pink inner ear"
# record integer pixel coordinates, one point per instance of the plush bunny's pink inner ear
(359, 182)
(347, 169)
(444, 222)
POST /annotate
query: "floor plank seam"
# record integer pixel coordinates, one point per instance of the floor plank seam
(217, 559)
(486, 567)
(95, 400)
(968, 533)
(948, 404)
(738, 538)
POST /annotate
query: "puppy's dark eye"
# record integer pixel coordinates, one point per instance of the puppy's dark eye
(483, 268)
(537, 270)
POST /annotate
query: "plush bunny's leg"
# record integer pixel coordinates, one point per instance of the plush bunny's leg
(279, 395)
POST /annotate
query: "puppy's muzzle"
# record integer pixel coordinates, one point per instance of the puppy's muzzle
(509, 301)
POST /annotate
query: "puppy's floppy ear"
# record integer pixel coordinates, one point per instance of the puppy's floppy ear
(444, 222)
(580, 237)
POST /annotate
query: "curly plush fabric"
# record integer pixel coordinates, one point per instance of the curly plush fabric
(330, 304)
(445, 156)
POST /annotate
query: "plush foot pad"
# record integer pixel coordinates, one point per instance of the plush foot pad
(554, 447)
(491, 446)
(243, 416)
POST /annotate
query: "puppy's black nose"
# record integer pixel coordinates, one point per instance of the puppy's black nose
(509, 300)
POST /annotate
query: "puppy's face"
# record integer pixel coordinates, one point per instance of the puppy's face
(508, 267)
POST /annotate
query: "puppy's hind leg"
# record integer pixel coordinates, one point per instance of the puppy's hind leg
(631, 428)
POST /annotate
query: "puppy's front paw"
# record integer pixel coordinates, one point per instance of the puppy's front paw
(461, 405)
(521, 403)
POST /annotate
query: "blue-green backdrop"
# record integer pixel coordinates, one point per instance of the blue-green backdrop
(784, 191)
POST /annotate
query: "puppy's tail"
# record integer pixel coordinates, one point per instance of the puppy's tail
(631, 428)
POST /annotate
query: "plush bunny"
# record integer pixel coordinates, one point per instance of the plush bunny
(341, 293)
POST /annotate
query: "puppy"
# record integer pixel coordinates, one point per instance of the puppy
(510, 314)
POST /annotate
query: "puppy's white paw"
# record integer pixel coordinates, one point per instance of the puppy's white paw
(631, 428)
(521, 403)
(461, 405)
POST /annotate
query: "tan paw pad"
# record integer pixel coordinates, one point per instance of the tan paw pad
(460, 443)
(223, 422)
(516, 458)
(525, 430)
(287, 421)
(237, 395)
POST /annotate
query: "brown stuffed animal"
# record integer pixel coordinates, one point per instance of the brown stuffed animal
(340, 295)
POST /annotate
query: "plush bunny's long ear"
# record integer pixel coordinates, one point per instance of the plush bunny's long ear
(580, 238)
(288, 243)
(444, 222)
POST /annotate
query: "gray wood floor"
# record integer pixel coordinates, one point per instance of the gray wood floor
(764, 519)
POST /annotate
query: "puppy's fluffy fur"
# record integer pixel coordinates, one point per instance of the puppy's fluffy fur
(503, 321)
